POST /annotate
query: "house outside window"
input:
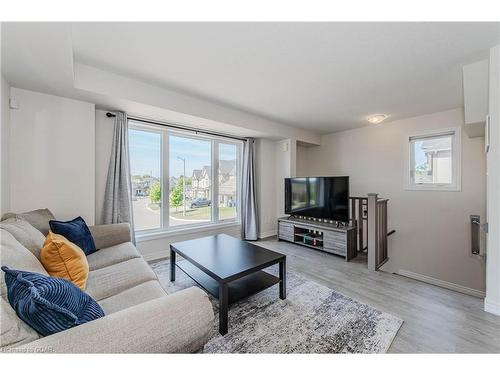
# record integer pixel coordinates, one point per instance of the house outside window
(434, 161)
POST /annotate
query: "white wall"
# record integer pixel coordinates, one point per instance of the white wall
(265, 151)
(302, 161)
(286, 166)
(167, 105)
(432, 227)
(5, 144)
(52, 155)
(492, 301)
(475, 86)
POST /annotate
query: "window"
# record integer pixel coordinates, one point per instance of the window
(200, 174)
(145, 167)
(434, 161)
(228, 200)
(190, 180)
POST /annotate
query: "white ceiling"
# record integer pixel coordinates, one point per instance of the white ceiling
(320, 76)
(324, 76)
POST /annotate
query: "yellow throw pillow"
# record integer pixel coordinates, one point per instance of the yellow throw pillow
(62, 258)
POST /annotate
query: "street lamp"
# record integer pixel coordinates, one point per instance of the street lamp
(183, 186)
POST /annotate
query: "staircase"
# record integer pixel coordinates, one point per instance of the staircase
(369, 215)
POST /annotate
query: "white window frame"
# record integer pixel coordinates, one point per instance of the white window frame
(456, 160)
(165, 228)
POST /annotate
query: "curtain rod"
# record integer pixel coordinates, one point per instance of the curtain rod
(180, 127)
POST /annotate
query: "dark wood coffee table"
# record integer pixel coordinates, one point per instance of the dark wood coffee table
(228, 268)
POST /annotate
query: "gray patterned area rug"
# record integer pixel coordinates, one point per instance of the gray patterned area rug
(313, 319)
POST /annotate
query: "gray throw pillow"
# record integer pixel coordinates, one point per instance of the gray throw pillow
(27, 235)
(38, 218)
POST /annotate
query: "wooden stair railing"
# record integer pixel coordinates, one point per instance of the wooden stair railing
(359, 217)
(373, 211)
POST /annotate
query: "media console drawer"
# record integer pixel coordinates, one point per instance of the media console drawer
(335, 247)
(285, 228)
(285, 231)
(335, 240)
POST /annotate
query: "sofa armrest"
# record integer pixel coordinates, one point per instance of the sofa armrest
(177, 323)
(110, 234)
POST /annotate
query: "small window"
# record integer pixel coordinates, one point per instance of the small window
(434, 161)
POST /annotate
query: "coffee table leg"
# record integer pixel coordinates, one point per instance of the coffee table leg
(172, 265)
(283, 279)
(223, 308)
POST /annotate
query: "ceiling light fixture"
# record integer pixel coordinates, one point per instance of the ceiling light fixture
(376, 119)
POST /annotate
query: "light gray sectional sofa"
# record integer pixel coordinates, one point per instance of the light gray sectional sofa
(140, 316)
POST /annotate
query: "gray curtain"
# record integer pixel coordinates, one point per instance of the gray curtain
(249, 218)
(118, 194)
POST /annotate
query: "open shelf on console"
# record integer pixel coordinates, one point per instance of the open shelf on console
(309, 237)
(319, 235)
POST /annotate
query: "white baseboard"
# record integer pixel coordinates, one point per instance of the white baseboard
(491, 307)
(442, 283)
(268, 233)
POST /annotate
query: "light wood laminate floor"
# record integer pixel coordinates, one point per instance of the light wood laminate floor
(436, 320)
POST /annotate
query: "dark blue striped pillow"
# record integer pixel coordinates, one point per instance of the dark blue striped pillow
(49, 304)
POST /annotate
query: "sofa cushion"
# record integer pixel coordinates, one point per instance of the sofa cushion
(48, 304)
(133, 296)
(181, 322)
(112, 255)
(109, 281)
(15, 255)
(38, 218)
(13, 330)
(107, 235)
(62, 258)
(76, 231)
(30, 237)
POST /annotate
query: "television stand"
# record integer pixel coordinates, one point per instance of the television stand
(319, 235)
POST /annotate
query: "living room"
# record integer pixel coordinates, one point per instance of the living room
(270, 187)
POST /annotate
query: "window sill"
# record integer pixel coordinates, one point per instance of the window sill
(448, 188)
(158, 234)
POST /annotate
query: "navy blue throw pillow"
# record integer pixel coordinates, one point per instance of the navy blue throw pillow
(49, 304)
(75, 231)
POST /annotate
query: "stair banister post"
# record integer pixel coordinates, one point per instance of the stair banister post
(372, 231)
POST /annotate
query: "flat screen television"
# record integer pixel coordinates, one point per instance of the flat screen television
(318, 197)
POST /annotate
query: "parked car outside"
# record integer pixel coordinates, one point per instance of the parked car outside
(200, 202)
